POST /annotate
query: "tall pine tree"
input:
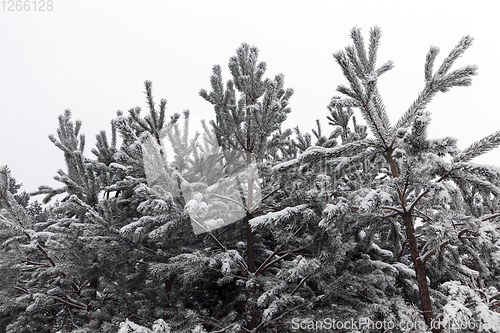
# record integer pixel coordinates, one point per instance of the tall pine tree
(415, 180)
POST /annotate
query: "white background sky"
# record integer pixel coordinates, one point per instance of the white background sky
(93, 56)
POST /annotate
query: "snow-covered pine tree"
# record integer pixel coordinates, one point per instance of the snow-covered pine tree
(346, 284)
(213, 284)
(348, 226)
(246, 122)
(76, 271)
(292, 249)
(414, 180)
(60, 278)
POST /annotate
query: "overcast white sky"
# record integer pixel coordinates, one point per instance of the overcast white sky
(93, 56)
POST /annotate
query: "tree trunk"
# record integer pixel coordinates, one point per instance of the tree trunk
(250, 253)
(419, 266)
(423, 289)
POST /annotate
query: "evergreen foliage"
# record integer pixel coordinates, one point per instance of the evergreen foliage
(373, 221)
(415, 198)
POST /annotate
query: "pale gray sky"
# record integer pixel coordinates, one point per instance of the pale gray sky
(93, 56)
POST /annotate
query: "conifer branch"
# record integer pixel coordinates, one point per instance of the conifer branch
(390, 215)
(442, 245)
(455, 53)
(257, 204)
(301, 283)
(279, 258)
(429, 62)
(479, 148)
(37, 264)
(355, 91)
(417, 200)
(222, 247)
(316, 153)
(46, 255)
(231, 200)
(359, 44)
(10, 209)
(384, 68)
(264, 324)
(71, 303)
(270, 263)
(402, 250)
(263, 265)
(397, 210)
(23, 290)
(375, 35)
(491, 217)
(358, 68)
(439, 81)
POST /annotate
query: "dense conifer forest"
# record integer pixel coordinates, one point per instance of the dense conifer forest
(367, 225)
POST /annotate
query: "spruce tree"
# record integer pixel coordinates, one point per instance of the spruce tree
(377, 221)
(412, 178)
(75, 271)
(245, 123)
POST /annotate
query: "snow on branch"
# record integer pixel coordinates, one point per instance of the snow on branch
(439, 81)
(11, 213)
(457, 51)
(479, 148)
(276, 216)
(315, 153)
(359, 69)
(159, 326)
(286, 165)
(429, 62)
(375, 34)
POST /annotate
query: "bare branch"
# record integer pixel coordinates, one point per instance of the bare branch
(267, 261)
(428, 255)
(301, 283)
(417, 200)
(397, 210)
